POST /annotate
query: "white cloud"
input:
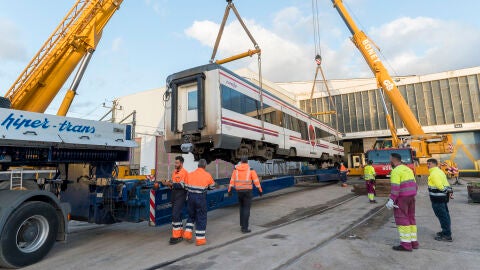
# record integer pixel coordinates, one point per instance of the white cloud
(412, 45)
(287, 50)
(11, 46)
(424, 45)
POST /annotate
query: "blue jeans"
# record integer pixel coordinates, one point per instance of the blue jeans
(343, 177)
(441, 211)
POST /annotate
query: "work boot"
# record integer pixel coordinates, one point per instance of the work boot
(373, 201)
(400, 248)
(187, 235)
(439, 234)
(444, 238)
(344, 185)
(176, 240)
(246, 231)
(201, 242)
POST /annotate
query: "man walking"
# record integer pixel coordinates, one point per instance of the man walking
(242, 179)
(179, 195)
(199, 181)
(402, 198)
(369, 176)
(440, 192)
(343, 174)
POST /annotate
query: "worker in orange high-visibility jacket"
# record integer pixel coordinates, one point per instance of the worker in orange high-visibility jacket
(242, 179)
(199, 181)
(179, 196)
(343, 174)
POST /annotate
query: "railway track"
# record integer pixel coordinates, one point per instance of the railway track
(282, 222)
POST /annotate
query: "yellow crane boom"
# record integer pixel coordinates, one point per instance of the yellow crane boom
(73, 41)
(424, 144)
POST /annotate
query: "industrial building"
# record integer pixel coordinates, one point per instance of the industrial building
(446, 102)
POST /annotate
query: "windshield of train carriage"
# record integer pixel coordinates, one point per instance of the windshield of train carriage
(383, 156)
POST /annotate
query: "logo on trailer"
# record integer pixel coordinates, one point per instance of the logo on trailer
(311, 135)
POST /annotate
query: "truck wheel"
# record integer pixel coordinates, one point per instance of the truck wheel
(28, 235)
(5, 102)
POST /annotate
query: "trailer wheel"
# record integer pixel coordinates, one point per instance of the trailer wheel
(28, 235)
(5, 102)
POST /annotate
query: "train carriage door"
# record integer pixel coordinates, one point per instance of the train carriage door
(312, 139)
(188, 105)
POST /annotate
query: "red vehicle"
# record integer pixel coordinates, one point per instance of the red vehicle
(381, 160)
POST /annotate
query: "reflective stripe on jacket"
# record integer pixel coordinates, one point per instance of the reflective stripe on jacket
(243, 177)
(199, 181)
(179, 178)
(402, 182)
(369, 173)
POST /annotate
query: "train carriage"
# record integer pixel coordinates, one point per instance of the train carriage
(215, 113)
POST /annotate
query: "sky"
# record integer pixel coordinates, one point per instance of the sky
(147, 40)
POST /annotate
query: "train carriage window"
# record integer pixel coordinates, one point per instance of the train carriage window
(252, 108)
(235, 101)
(322, 134)
(192, 100)
(303, 130)
(295, 124)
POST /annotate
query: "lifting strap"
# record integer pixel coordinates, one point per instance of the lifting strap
(318, 61)
(257, 51)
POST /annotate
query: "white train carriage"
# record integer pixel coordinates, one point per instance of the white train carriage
(214, 113)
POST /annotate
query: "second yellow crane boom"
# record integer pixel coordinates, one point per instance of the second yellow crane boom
(424, 144)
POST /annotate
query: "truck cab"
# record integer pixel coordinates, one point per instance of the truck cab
(381, 160)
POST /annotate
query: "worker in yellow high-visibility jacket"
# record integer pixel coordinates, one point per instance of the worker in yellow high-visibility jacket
(440, 193)
(369, 176)
(402, 197)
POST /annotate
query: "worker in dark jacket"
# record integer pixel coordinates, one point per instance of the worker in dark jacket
(242, 179)
(179, 196)
(199, 181)
(440, 192)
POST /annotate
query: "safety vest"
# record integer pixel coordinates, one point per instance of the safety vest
(243, 177)
(402, 182)
(369, 173)
(179, 178)
(199, 181)
(438, 186)
(343, 169)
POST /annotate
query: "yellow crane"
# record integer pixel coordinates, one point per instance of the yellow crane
(73, 42)
(459, 144)
(425, 145)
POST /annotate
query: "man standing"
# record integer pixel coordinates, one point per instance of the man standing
(440, 193)
(199, 181)
(369, 176)
(179, 195)
(242, 179)
(402, 198)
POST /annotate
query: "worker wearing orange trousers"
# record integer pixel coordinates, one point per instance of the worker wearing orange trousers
(199, 181)
(179, 196)
(242, 179)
